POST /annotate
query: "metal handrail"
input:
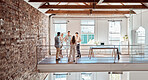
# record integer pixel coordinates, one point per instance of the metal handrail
(129, 48)
(96, 45)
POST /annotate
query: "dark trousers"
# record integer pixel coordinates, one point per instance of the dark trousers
(78, 50)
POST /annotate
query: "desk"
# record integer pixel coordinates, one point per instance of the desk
(104, 47)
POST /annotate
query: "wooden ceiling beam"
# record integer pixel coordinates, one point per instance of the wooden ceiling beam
(106, 1)
(113, 12)
(122, 4)
(63, 0)
(93, 7)
(125, 1)
(85, 3)
(58, 3)
(67, 12)
(88, 12)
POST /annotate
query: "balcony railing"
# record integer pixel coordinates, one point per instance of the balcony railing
(128, 53)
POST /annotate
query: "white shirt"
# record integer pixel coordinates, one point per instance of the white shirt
(78, 39)
(68, 39)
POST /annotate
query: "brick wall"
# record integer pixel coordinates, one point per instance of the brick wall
(22, 29)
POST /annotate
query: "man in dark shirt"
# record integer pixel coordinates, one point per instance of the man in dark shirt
(57, 45)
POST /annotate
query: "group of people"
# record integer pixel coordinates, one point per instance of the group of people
(72, 42)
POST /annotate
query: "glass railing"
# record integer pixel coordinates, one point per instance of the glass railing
(97, 54)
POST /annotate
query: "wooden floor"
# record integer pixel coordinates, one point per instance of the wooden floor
(97, 59)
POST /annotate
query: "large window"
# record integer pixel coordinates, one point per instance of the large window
(60, 76)
(86, 76)
(60, 25)
(115, 77)
(114, 32)
(140, 35)
(87, 31)
(60, 28)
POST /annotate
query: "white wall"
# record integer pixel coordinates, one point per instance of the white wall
(74, 26)
(136, 23)
(138, 75)
(101, 27)
(52, 31)
(101, 30)
(102, 76)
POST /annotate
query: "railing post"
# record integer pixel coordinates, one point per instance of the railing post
(36, 57)
(114, 54)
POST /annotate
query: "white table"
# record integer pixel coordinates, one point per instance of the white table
(91, 54)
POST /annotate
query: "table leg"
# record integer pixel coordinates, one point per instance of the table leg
(114, 55)
(118, 54)
(89, 53)
(92, 53)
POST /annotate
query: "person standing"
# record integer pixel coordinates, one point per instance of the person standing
(67, 40)
(78, 41)
(72, 49)
(57, 45)
(61, 41)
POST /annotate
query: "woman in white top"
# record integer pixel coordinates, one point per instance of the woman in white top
(61, 42)
(72, 49)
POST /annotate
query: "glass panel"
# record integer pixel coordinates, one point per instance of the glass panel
(115, 77)
(88, 22)
(60, 77)
(60, 22)
(90, 37)
(114, 32)
(84, 38)
(114, 38)
(87, 29)
(87, 38)
(114, 27)
(86, 76)
(60, 28)
(115, 42)
(140, 35)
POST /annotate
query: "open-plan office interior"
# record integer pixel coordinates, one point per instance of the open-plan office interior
(73, 40)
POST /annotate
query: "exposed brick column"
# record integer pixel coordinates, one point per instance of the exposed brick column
(24, 28)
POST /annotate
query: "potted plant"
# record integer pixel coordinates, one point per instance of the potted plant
(96, 42)
(125, 37)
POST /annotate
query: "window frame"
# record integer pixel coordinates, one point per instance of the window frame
(60, 26)
(91, 75)
(55, 74)
(111, 75)
(82, 33)
(142, 30)
(109, 33)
